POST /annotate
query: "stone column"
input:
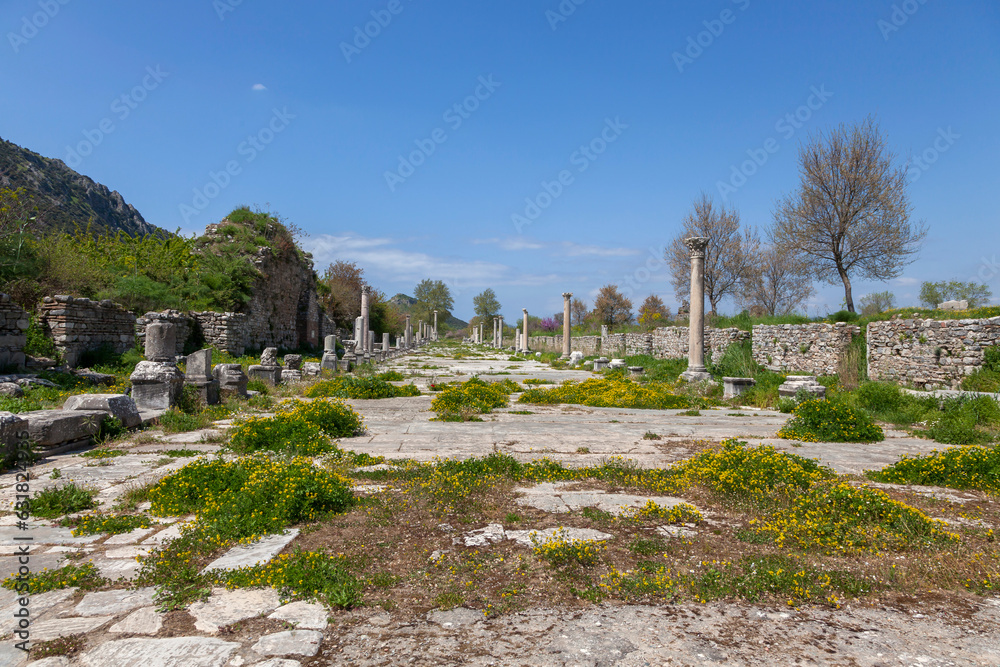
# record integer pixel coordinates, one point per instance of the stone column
(495, 333)
(696, 330)
(435, 325)
(329, 360)
(408, 333)
(385, 344)
(524, 345)
(567, 331)
(482, 332)
(365, 291)
(517, 338)
(500, 336)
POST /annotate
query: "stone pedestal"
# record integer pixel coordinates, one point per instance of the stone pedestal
(350, 359)
(199, 375)
(795, 383)
(733, 387)
(232, 380)
(601, 363)
(696, 371)
(313, 367)
(156, 385)
(268, 369)
(616, 363)
(567, 330)
(636, 371)
(329, 360)
(292, 372)
(161, 342)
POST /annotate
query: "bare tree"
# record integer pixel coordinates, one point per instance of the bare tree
(577, 311)
(851, 214)
(611, 307)
(778, 283)
(730, 252)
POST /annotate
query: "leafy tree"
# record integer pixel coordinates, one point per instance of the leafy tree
(778, 284)
(851, 214)
(653, 312)
(432, 295)
(729, 255)
(611, 307)
(877, 302)
(977, 294)
(383, 317)
(486, 304)
(342, 297)
(577, 311)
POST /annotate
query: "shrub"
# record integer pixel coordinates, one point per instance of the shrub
(844, 316)
(285, 432)
(956, 468)
(250, 496)
(756, 474)
(335, 418)
(471, 397)
(825, 420)
(613, 391)
(847, 519)
(59, 500)
(390, 376)
(369, 387)
(961, 419)
(559, 551)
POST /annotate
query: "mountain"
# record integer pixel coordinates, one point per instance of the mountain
(406, 303)
(66, 198)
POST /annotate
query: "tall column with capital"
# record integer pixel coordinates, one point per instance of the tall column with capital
(696, 329)
(524, 343)
(365, 343)
(567, 331)
(435, 325)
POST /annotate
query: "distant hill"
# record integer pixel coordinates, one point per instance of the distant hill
(66, 198)
(405, 304)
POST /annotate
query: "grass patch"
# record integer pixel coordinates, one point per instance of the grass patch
(93, 524)
(67, 646)
(101, 453)
(560, 551)
(60, 500)
(304, 575)
(473, 397)
(86, 577)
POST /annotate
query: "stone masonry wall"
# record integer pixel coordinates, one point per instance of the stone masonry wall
(929, 353)
(589, 345)
(229, 332)
(81, 325)
(184, 323)
(809, 348)
(13, 325)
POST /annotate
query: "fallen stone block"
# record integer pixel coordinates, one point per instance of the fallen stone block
(232, 380)
(60, 429)
(733, 387)
(120, 406)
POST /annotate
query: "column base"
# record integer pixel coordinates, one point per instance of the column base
(696, 374)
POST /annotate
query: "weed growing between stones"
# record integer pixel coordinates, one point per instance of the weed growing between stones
(560, 551)
(86, 577)
(299, 428)
(59, 500)
(825, 420)
(91, 524)
(304, 575)
(67, 646)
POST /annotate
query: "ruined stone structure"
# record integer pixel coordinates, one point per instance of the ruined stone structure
(81, 325)
(184, 326)
(929, 353)
(814, 349)
(663, 343)
(13, 328)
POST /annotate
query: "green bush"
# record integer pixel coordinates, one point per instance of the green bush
(285, 433)
(59, 500)
(825, 420)
(611, 391)
(92, 524)
(37, 344)
(960, 424)
(335, 418)
(986, 378)
(471, 397)
(844, 316)
(300, 574)
(369, 387)
(86, 577)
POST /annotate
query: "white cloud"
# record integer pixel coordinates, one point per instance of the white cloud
(907, 281)
(259, 86)
(511, 243)
(577, 250)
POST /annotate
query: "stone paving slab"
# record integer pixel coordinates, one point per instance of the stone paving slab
(290, 642)
(560, 497)
(255, 553)
(130, 537)
(53, 628)
(304, 615)
(114, 602)
(528, 538)
(144, 621)
(226, 607)
(170, 652)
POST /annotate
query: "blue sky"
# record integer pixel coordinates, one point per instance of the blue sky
(609, 117)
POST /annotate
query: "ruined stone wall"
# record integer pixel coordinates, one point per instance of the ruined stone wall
(929, 353)
(13, 328)
(669, 342)
(184, 323)
(81, 325)
(589, 345)
(229, 332)
(814, 349)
